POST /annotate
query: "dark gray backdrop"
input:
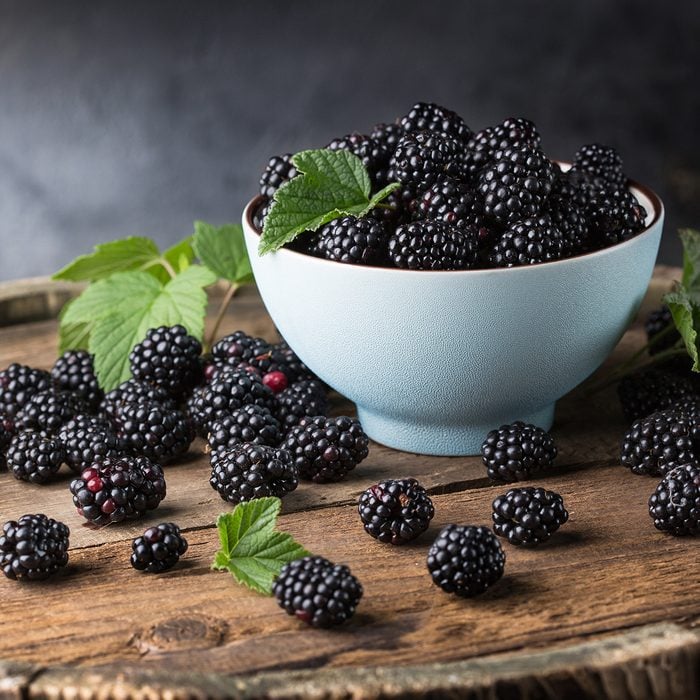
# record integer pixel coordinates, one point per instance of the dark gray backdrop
(121, 118)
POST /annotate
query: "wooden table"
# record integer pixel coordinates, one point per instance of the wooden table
(609, 608)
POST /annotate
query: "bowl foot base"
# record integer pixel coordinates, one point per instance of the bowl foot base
(447, 440)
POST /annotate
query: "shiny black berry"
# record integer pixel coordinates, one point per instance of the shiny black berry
(528, 515)
(675, 505)
(87, 439)
(158, 549)
(278, 171)
(74, 372)
(428, 116)
(250, 423)
(354, 241)
(528, 242)
(35, 457)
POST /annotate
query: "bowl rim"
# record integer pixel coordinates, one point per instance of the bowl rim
(647, 192)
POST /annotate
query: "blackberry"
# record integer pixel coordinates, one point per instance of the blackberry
(661, 321)
(134, 391)
(651, 390)
(18, 383)
(253, 424)
(239, 348)
(517, 451)
(528, 515)
(451, 202)
(33, 547)
(290, 364)
(5, 439)
(87, 439)
(49, 410)
(278, 171)
(675, 505)
(398, 208)
(355, 241)
(74, 371)
(427, 116)
(570, 221)
(659, 442)
(528, 242)
(161, 434)
(596, 161)
(422, 158)
(614, 215)
(516, 184)
(466, 560)
(168, 357)
(373, 154)
(113, 489)
(260, 215)
(326, 449)
(513, 132)
(432, 245)
(387, 135)
(302, 399)
(276, 381)
(396, 511)
(227, 392)
(249, 471)
(34, 457)
(317, 591)
(158, 549)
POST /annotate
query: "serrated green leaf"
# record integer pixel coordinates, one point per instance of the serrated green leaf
(329, 184)
(686, 317)
(125, 254)
(691, 259)
(222, 249)
(251, 549)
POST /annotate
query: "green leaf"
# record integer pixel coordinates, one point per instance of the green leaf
(685, 311)
(330, 184)
(143, 303)
(72, 336)
(125, 254)
(691, 259)
(181, 255)
(251, 549)
(222, 249)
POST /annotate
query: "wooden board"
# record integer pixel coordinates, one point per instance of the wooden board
(608, 607)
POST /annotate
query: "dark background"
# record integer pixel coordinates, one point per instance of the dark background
(121, 118)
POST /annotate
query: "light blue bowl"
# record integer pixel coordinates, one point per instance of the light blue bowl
(434, 360)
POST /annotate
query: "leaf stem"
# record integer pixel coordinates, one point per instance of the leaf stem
(230, 292)
(163, 263)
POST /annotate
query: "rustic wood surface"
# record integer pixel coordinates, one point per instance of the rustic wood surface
(609, 607)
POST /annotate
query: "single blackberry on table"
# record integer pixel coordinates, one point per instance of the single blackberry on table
(49, 410)
(451, 202)
(517, 451)
(305, 398)
(227, 392)
(87, 439)
(326, 449)
(168, 357)
(354, 241)
(596, 161)
(427, 116)
(422, 158)
(148, 429)
(661, 321)
(135, 391)
(18, 383)
(528, 515)
(249, 471)
(659, 442)
(253, 424)
(675, 505)
(279, 170)
(158, 549)
(433, 245)
(373, 154)
(614, 215)
(33, 547)
(528, 242)
(466, 560)
(396, 510)
(74, 371)
(113, 489)
(650, 390)
(317, 591)
(34, 457)
(516, 184)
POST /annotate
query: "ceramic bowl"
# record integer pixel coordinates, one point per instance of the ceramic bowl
(434, 360)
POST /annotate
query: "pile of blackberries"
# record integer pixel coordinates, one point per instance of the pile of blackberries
(468, 200)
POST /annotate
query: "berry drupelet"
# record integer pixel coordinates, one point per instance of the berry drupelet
(113, 489)
(249, 471)
(74, 371)
(353, 241)
(465, 560)
(253, 424)
(279, 170)
(396, 511)
(433, 245)
(87, 439)
(428, 116)
(326, 449)
(675, 505)
(168, 357)
(302, 399)
(517, 451)
(35, 457)
(317, 591)
(18, 383)
(158, 549)
(33, 547)
(528, 242)
(49, 410)
(528, 515)
(134, 391)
